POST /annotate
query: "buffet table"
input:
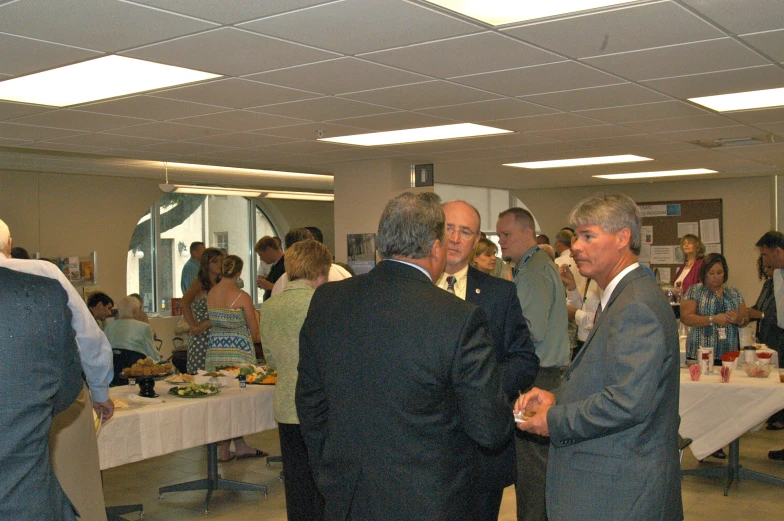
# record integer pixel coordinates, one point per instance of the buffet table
(153, 427)
(714, 414)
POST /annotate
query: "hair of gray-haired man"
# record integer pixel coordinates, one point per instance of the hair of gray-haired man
(410, 224)
(564, 237)
(523, 218)
(613, 212)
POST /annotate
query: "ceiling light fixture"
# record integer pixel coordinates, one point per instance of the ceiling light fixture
(101, 78)
(245, 192)
(502, 12)
(755, 99)
(247, 171)
(663, 173)
(580, 161)
(418, 135)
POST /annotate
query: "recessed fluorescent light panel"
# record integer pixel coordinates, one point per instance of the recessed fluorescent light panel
(663, 173)
(580, 161)
(755, 99)
(417, 135)
(106, 77)
(502, 12)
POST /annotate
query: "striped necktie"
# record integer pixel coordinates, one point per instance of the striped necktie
(450, 284)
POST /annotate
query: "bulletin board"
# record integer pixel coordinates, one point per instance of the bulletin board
(664, 222)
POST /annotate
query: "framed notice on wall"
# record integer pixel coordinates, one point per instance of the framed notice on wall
(665, 222)
(361, 252)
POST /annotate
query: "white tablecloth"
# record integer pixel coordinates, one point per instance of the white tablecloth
(714, 414)
(182, 423)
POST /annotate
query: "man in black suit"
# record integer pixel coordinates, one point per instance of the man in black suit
(514, 350)
(398, 381)
(40, 376)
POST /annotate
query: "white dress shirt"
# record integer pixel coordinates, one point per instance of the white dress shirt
(95, 351)
(460, 283)
(335, 273)
(614, 282)
(586, 308)
(778, 294)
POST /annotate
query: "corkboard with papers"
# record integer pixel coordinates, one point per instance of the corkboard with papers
(665, 222)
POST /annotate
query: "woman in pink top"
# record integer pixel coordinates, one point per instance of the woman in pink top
(688, 273)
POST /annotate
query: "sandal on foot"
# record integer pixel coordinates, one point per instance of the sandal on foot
(257, 454)
(231, 457)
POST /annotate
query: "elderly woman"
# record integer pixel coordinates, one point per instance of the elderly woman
(127, 333)
(688, 274)
(307, 267)
(484, 258)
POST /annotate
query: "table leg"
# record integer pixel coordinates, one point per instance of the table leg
(733, 471)
(213, 481)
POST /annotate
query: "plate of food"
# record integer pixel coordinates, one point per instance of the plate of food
(179, 379)
(194, 391)
(261, 376)
(147, 367)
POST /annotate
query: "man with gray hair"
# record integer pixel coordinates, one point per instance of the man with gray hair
(398, 381)
(613, 424)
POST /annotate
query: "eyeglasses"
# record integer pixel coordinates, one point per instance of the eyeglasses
(465, 233)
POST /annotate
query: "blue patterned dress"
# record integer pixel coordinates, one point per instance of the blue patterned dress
(197, 348)
(708, 303)
(230, 342)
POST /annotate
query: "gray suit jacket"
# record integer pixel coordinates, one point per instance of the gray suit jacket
(614, 430)
(40, 376)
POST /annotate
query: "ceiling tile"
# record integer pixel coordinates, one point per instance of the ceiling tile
(168, 131)
(229, 51)
(773, 128)
(236, 154)
(598, 97)
(741, 16)
(230, 12)
(755, 117)
(31, 133)
(476, 144)
(582, 133)
(676, 124)
(105, 141)
(10, 110)
(94, 24)
(24, 55)
(181, 147)
(239, 120)
(771, 43)
(235, 93)
(644, 112)
(677, 60)
(422, 95)
(6, 142)
(393, 121)
(542, 123)
(539, 79)
(624, 142)
(78, 120)
(338, 76)
(60, 147)
(773, 151)
(709, 134)
(310, 131)
(724, 82)
(488, 110)
(542, 152)
(323, 109)
(464, 55)
(150, 107)
(357, 26)
(618, 30)
(306, 147)
(240, 140)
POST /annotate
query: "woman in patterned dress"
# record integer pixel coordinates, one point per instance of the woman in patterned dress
(234, 331)
(194, 308)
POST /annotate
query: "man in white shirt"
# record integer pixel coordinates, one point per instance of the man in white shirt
(74, 451)
(581, 304)
(295, 235)
(771, 248)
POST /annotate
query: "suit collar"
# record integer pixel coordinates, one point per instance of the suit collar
(402, 269)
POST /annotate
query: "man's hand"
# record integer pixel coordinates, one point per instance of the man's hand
(105, 409)
(567, 277)
(539, 401)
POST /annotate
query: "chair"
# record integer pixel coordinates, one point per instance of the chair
(123, 358)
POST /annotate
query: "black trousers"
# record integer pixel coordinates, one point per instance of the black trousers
(303, 501)
(489, 504)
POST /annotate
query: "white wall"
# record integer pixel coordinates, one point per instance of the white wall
(746, 205)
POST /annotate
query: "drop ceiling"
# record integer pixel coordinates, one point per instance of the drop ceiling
(612, 81)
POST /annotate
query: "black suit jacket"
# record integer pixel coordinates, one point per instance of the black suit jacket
(40, 376)
(397, 384)
(514, 352)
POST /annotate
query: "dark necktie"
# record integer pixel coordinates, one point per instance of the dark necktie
(450, 284)
(598, 312)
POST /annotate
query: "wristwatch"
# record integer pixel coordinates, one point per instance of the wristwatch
(710, 319)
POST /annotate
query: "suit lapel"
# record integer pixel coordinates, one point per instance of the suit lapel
(632, 275)
(471, 286)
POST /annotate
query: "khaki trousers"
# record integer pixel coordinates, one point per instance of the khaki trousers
(74, 455)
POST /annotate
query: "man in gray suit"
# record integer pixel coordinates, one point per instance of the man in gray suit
(40, 376)
(613, 423)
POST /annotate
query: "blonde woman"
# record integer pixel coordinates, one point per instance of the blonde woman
(484, 258)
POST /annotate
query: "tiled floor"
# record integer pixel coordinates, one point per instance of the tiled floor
(703, 498)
